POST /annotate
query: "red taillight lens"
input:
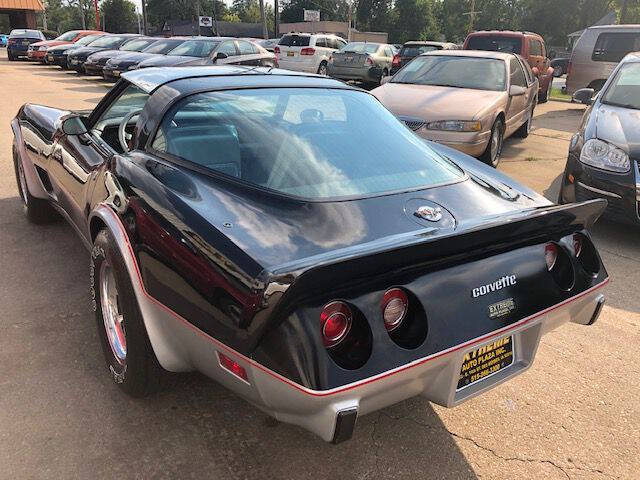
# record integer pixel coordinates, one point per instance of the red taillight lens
(335, 323)
(551, 255)
(369, 61)
(276, 50)
(233, 367)
(395, 305)
(396, 60)
(308, 51)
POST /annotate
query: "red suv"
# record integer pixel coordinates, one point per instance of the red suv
(526, 44)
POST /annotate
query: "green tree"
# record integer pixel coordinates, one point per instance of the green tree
(293, 10)
(414, 20)
(119, 16)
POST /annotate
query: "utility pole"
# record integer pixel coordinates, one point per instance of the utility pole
(350, 15)
(276, 19)
(623, 12)
(215, 20)
(265, 32)
(472, 15)
(144, 17)
(95, 4)
(84, 23)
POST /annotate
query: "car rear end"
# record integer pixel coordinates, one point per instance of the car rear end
(409, 51)
(361, 65)
(423, 321)
(296, 51)
(19, 42)
(37, 51)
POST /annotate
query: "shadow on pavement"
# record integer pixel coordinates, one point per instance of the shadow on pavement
(194, 428)
(557, 119)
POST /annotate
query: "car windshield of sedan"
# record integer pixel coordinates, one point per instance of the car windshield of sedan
(162, 46)
(624, 91)
(194, 48)
(88, 39)
(453, 71)
(67, 37)
(108, 42)
(304, 142)
(137, 45)
(361, 47)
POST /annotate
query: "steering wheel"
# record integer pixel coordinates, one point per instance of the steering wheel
(123, 136)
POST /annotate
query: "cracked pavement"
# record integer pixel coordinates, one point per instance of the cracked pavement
(573, 415)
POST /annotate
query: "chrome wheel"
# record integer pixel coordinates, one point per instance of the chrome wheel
(111, 314)
(23, 182)
(496, 144)
(322, 69)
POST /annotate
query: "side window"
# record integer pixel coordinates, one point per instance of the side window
(321, 42)
(131, 99)
(612, 47)
(340, 43)
(535, 47)
(527, 71)
(228, 48)
(246, 48)
(388, 52)
(517, 76)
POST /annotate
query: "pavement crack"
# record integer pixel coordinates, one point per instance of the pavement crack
(553, 463)
(376, 445)
(611, 252)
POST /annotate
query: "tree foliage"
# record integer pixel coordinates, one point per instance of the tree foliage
(119, 16)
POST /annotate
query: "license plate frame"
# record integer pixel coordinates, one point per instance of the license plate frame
(485, 361)
(291, 54)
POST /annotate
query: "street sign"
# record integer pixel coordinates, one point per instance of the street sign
(206, 21)
(312, 15)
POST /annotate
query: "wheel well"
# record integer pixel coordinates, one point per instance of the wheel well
(597, 84)
(501, 117)
(95, 226)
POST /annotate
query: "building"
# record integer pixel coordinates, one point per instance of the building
(339, 28)
(21, 13)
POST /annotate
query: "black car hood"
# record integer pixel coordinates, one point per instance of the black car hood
(84, 52)
(106, 54)
(619, 126)
(131, 58)
(167, 61)
(62, 48)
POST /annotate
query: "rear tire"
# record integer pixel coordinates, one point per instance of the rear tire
(127, 350)
(491, 155)
(525, 128)
(37, 211)
(322, 69)
(544, 96)
(11, 57)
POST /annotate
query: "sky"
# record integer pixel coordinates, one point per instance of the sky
(228, 2)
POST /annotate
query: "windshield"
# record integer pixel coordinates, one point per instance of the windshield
(495, 43)
(194, 48)
(137, 45)
(624, 91)
(360, 47)
(88, 39)
(450, 71)
(108, 41)
(415, 50)
(67, 37)
(25, 34)
(306, 142)
(162, 46)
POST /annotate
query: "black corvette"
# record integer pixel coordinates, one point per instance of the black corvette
(604, 153)
(287, 236)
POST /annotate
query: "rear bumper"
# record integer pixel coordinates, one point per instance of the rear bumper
(180, 346)
(363, 74)
(297, 66)
(17, 51)
(112, 74)
(36, 55)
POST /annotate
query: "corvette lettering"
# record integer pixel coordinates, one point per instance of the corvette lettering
(506, 281)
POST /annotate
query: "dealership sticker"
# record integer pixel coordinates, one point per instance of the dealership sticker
(502, 308)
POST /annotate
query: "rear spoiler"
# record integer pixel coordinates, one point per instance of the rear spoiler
(317, 275)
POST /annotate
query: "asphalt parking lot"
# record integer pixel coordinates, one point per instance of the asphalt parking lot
(575, 414)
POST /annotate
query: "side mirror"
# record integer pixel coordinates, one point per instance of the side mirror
(516, 90)
(584, 96)
(220, 56)
(74, 125)
(385, 79)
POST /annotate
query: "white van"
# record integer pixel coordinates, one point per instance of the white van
(597, 53)
(307, 52)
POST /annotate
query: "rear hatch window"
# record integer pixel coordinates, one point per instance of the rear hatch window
(495, 43)
(295, 41)
(415, 50)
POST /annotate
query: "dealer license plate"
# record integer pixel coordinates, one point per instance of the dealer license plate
(290, 54)
(485, 361)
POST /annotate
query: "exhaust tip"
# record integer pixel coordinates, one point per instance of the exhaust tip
(345, 424)
(597, 311)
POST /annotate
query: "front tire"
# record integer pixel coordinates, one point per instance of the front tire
(127, 350)
(322, 69)
(525, 128)
(491, 155)
(37, 211)
(544, 96)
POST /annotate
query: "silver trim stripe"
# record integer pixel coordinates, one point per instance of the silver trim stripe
(597, 190)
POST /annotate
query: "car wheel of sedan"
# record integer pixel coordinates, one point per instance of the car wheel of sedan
(125, 343)
(525, 129)
(11, 57)
(558, 72)
(493, 151)
(322, 69)
(38, 211)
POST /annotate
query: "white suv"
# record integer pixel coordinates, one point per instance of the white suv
(307, 52)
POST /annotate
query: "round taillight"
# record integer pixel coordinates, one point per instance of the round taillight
(395, 305)
(550, 255)
(335, 323)
(577, 245)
